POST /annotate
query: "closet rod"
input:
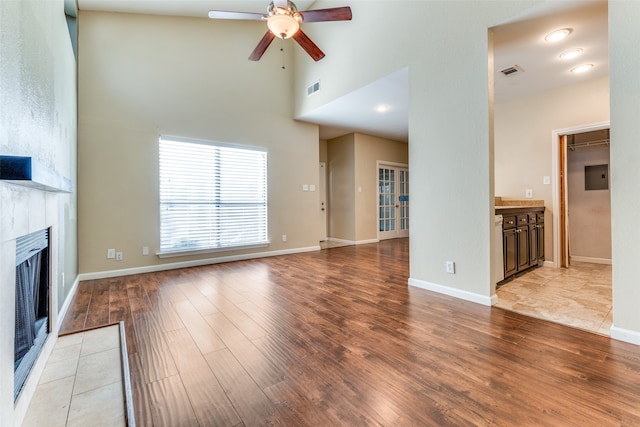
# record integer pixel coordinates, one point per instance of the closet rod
(588, 144)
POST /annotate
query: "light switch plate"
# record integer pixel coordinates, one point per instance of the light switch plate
(451, 267)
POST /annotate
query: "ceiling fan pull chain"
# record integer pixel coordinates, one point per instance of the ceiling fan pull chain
(282, 50)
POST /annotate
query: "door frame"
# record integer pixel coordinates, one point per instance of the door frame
(559, 188)
(322, 195)
(392, 165)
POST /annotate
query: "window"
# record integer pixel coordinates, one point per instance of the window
(212, 196)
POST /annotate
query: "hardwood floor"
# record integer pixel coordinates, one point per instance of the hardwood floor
(336, 337)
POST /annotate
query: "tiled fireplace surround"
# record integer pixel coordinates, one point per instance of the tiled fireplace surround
(23, 210)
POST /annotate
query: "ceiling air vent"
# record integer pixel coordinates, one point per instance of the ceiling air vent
(512, 70)
(315, 87)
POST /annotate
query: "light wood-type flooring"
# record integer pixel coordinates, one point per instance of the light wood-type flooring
(337, 338)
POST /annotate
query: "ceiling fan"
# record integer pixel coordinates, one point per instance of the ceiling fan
(283, 21)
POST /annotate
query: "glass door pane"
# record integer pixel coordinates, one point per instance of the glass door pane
(387, 195)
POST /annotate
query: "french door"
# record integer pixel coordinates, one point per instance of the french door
(393, 202)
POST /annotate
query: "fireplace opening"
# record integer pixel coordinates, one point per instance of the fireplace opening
(32, 303)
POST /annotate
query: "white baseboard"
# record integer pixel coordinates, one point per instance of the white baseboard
(194, 263)
(453, 292)
(343, 241)
(366, 242)
(590, 259)
(549, 264)
(353, 242)
(626, 335)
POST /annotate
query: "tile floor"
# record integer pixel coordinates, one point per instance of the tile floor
(82, 382)
(579, 296)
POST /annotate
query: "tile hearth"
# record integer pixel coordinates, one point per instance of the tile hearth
(579, 296)
(82, 382)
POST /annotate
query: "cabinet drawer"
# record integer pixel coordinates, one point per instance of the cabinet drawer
(509, 222)
(522, 219)
(540, 217)
(533, 218)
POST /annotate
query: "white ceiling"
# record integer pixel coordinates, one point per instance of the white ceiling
(518, 42)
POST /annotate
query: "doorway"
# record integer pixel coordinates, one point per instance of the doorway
(577, 148)
(393, 201)
(578, 290)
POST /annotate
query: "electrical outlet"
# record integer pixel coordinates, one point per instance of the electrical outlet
(528, 193)
(111, 253)
(451, 267)
(118, 256)
(284, 237)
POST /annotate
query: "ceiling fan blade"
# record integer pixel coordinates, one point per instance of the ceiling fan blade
(247, 16)
(309, 46)
(323, 15)
(262, 46)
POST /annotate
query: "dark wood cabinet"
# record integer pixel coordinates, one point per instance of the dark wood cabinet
(510, 249)
(540, 228)
(522, 238)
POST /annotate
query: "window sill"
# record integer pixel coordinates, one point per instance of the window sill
(172, 254)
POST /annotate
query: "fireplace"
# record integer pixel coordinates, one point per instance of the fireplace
(31, 303)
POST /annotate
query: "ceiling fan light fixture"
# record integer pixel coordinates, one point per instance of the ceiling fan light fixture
(283, 25)
(557, 35)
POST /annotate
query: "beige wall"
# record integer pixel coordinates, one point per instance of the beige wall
(368, 151)
(145, 76)
(38, 119)
(589, 211)
(624, 37)
(323, 150)
(523, 139)
(341, 171)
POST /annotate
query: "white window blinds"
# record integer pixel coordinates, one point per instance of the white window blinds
(212, 196)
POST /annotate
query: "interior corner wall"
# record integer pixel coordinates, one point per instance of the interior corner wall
(368, 151)
(523, 144)
(323, 150)
(624, 66)
(341, 188)
(142, 76)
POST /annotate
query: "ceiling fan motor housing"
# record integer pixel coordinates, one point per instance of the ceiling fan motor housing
(283, 22)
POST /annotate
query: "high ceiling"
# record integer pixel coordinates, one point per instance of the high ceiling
(519, 42)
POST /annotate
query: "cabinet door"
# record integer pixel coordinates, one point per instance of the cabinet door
(540, 232)
(533, 245)
(510, 250)
(523, 247)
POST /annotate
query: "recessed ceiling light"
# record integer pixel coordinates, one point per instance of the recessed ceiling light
(382, 108)
(582, 68)
(570, 54)
(557, 35)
